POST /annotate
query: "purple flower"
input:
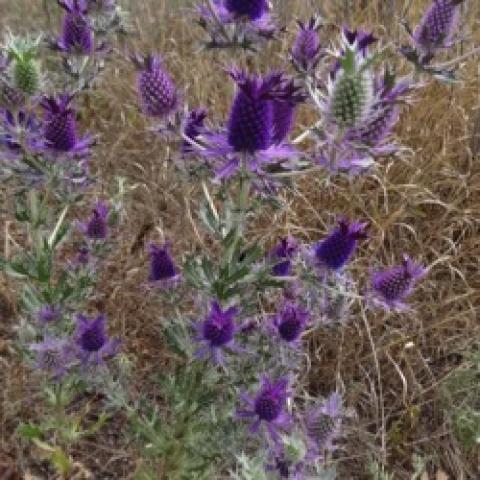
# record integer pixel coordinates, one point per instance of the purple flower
(334, 251)
(323, 424)
(391, 286)
(252, 9)
(250, 133)
(216, 333)
(92, 340)
(306, 49)
(77, 34)
(283, 254)
(49, 314)
(267, 407)
(290, 321)
(96, 226)
(193, 128)
(60, 127)
(360, 38)
(156, 89)
(437, 26)
(53, 356)
(19, 131)
(162, 266)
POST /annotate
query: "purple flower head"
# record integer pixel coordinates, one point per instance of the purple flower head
(251, 117)
(162, 266)
(216, 332)
(323, 424)
(252, 9)
(92, 340)
(437, 26)
(83, 255)
(156, 89)
(193, 128)
(391, 286)
(60, 126)
(306, 49)
(53, 356)
(290, 321)
(283, 254)
(267, 407)
(49, 314)
(96, 226)
(336, 249)
(77, 34)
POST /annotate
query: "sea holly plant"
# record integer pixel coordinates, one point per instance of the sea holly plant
(68, 350)
(435, 35)
(236, 23)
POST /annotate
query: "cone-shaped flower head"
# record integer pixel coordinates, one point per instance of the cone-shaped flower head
(49, 313)
(283, 254)
(392, 286)
(252, 9)
(60, 123)
(156, 89)
(92, 340)
(306, 49)
(216, 332)
(267, 407)
(323, 423)
(438, 25)
(96, 226)
(336, 249)
(53, 356)
(162, 266)
(384, 114)
(253, 125)
(76, 34)
(193, 128)
(290, 321)
(350, 88)
(11, 98)
(25, 70)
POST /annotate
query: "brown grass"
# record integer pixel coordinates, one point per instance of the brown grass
(426, 204)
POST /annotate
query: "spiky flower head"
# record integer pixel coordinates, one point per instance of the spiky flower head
(384, 114)
(92, 340)
(393, 285)
(25, 69)
(267, 407)
(156, 89)
(290, 321)
(251, 9)
(76, 34)
(337, 248)
(162, 266)
(11, 98)
(96, 226)
(437, 26)
(306, 49)
(251, 120)
(193, 128)
(49, 313)
(350, 87)
(323, 424)
(53, 356)
(282, 255)
(216, 332)
(60, 126)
